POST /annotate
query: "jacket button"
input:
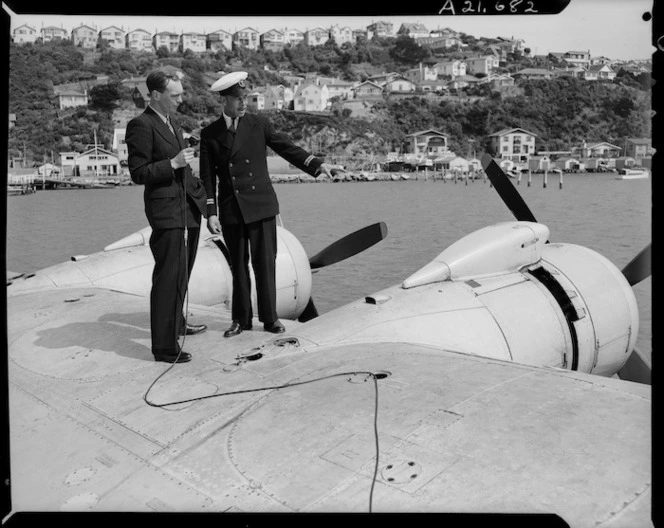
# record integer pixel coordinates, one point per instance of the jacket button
(252, 187)
(251, 174)
(246, 161)
(233, 177)
(237, 191)
(230, 164)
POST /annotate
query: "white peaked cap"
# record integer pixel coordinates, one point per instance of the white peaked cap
(229, 80)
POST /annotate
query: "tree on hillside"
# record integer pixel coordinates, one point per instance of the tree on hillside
(407, 51)
(105, 97)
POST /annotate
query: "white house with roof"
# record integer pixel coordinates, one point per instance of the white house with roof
(510, 45)
(464, 81)
(94, 161)
(428, 143)
(256, 100)
(597, 150)
(500, 79)
(481, 65)
(398, 85)
(421, 73)
(599, 72)
(246, 38)
(582, 58)
(515, 144)
(452, 68)
(311, 97)
(196, 42)
(438, 85)
(367, 89)
(49, 33)
(218, 40)
(339, 88)
(380, 29)
(382, 78)
(272, 40)
(277, 97)
(414, 30)
(120, 145)
(600, 60)
(114, 35)
(71, 99)
(24, 34)
(316, 36)
(341, 34)
(293, 36)
(139, 40)
(84, 36)
(167, 39)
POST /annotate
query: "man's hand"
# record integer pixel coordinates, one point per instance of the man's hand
(213, 225)
(330, 170)
(183, 158)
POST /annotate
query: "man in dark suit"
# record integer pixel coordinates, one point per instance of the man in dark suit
(174, 202)
(233, 153)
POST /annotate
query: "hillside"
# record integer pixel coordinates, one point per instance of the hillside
(561, 112)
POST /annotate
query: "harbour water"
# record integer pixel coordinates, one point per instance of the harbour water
(598, 211)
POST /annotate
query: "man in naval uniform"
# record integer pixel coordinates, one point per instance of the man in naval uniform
(174, 202)
(234, 153)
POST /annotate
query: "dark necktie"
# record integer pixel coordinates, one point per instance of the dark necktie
(170, 125)
(233, 126)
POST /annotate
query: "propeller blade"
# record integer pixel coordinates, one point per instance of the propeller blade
(309, 312)
(637, 368)
(349, 245)
(506, 190)
(640, 267)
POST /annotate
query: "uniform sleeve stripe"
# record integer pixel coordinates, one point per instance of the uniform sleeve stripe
(308, 160)
(210, 201)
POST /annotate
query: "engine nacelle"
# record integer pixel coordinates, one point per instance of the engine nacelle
(599, 305)
(126, 265)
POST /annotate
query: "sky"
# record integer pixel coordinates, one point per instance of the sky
(611, 28)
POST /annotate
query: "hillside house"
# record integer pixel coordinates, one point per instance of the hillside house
(168, 39)
(140, 95)
(421, 73)
(367, 89)
(452, 68)
(580, 58)
(380, 29)
(341, 35)
(277, 97)
(413, 30)
(511, 45)
(24, 34)
(71, 99)
(256, 100)
(463, 81)
(119, 146)
(218, 40)
(441, 43)
(272, 40)
(338, 88)
(532, 73)
(481, 65)
(399, 84)
(382, 78)
(311, 97)
(500, 79)
(84, 36)
(293, 36)
(246, 38)
(139, 40)
(638, 147)
(360, 35)
(12, 120)
(426, 144)
(600, 60)
(316, 36)
(599, 72)
(114, 36)
(437, 86)
(196, 42)
(516, 144)
(49, 33)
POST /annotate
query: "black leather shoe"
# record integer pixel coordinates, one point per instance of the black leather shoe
(236, 328)
(275, 328)
(194, 329)
(171, 356)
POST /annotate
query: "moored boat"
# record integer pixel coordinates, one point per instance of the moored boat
(633, 174)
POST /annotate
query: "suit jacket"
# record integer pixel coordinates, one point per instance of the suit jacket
(151, 146)
(239, 164)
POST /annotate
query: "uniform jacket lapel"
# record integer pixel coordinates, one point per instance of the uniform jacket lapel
(162, 128)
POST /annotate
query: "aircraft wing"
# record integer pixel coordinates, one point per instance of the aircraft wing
(453, 432)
